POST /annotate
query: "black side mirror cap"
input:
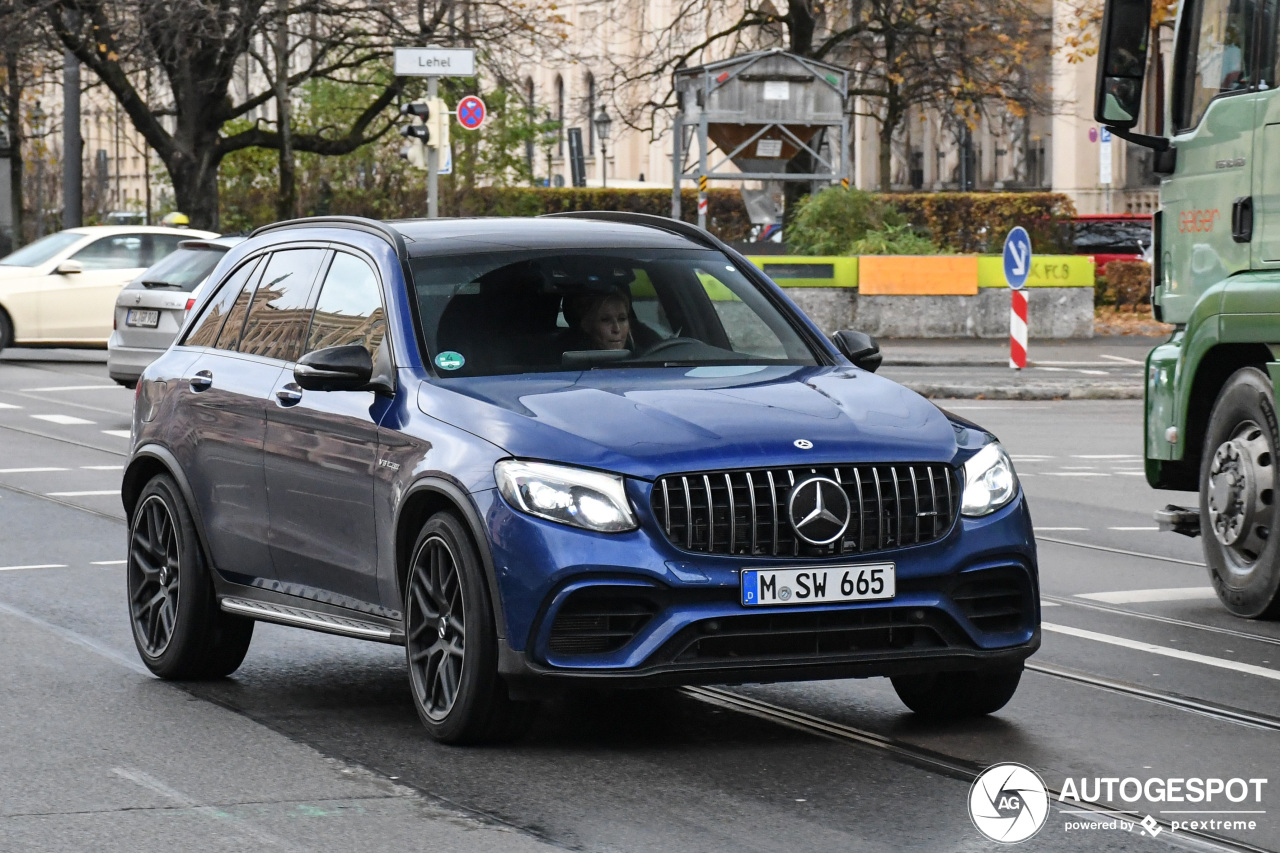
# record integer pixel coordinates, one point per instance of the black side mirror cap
(860, 348)
(346, 368)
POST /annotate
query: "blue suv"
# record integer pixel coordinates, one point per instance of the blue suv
(595, 448)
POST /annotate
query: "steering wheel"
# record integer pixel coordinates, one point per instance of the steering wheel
(668, 344)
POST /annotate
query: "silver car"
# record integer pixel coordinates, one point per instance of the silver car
(151, 309)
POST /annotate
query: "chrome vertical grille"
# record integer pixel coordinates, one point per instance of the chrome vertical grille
(745, 512)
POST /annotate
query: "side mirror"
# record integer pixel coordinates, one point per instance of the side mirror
(346, 368)
(1122, 62)
(860, 348)
(68, 268)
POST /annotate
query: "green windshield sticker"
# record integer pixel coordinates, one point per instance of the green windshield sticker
(450, 360)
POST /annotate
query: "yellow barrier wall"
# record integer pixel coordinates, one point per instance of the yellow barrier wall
(808, 271)
(901, 275)
(1046, 271)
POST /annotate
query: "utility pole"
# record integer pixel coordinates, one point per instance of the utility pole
(72, 155)
(433, 156)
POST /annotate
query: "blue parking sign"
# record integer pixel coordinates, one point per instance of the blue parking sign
(1017, 257)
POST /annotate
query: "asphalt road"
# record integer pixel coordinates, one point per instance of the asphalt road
(313, 744)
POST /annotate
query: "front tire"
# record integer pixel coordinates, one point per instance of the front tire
(955, 695)
(451, 643)
(1238, 508)
(180, 631)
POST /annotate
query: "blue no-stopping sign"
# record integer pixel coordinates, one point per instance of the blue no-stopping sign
(1017, 257)
(471, 112)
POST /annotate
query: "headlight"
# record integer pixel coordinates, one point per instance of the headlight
(989, 481)
(573, 496)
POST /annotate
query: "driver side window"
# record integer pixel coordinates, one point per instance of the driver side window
(1217, 55)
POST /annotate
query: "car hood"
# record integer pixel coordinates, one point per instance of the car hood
(14, 273)
(649, 422)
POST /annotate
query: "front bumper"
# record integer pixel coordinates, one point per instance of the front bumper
(632, 609)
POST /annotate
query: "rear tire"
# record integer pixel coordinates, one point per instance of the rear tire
(180, 631)
(1239, 511)
(955, 695)
(451, 643)
(6, 330)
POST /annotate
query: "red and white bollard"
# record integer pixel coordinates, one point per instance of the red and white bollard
(1018, 329)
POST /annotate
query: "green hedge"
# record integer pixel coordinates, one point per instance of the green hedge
(978, 222)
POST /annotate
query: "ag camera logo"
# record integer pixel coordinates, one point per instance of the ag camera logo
(1008, 803)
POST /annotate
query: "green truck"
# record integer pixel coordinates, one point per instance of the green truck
(1210, 421)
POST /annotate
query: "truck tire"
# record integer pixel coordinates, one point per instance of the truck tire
(1239, 512)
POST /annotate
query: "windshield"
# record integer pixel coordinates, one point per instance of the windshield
(527, 312)
(41, 250)
(183, 269)
(1116, 236)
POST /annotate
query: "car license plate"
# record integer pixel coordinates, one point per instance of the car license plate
(818, 585)
(139, 317)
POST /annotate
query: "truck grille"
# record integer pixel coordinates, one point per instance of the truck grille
(745, 512)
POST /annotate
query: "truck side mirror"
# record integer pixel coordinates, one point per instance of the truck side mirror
(1122, 62)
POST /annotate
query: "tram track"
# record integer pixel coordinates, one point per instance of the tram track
(937, 762)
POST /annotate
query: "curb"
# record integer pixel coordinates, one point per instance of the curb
(934, 390)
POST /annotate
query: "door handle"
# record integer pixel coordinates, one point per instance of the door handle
(202, 381)
(1242, 219)
(289, 394)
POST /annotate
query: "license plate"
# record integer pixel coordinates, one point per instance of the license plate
(139, 317)
(826, 585)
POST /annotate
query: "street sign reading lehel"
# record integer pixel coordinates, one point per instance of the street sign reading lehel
(471, 112)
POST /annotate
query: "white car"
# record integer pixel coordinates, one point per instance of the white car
(61, 290)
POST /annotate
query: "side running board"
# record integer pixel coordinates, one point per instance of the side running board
(313, 619)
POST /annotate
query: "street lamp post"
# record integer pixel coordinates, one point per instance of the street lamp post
(603, 123)
(37, 119)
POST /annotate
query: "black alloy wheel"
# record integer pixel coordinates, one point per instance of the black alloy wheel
(451, 641)
(437, 643)
(154, 568)
(179, 630)
(1239, 512)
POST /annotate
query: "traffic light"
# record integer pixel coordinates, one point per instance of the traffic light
(419, 134)
(430, 130)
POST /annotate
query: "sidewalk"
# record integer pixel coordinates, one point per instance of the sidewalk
(1107, 367)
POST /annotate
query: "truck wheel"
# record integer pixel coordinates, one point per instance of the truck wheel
(952, 695)
(179, 630)
(1238, 507)
(451, 642)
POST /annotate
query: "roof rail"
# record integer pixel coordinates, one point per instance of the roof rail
(356, 223)
(674, 226)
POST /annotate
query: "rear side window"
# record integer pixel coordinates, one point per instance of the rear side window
(120, 252)
(280, 311)
(349, 310)
(205, 332)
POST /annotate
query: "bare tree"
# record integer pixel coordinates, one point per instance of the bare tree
(197, 47)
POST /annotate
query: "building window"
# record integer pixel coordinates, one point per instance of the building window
(917, 169)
